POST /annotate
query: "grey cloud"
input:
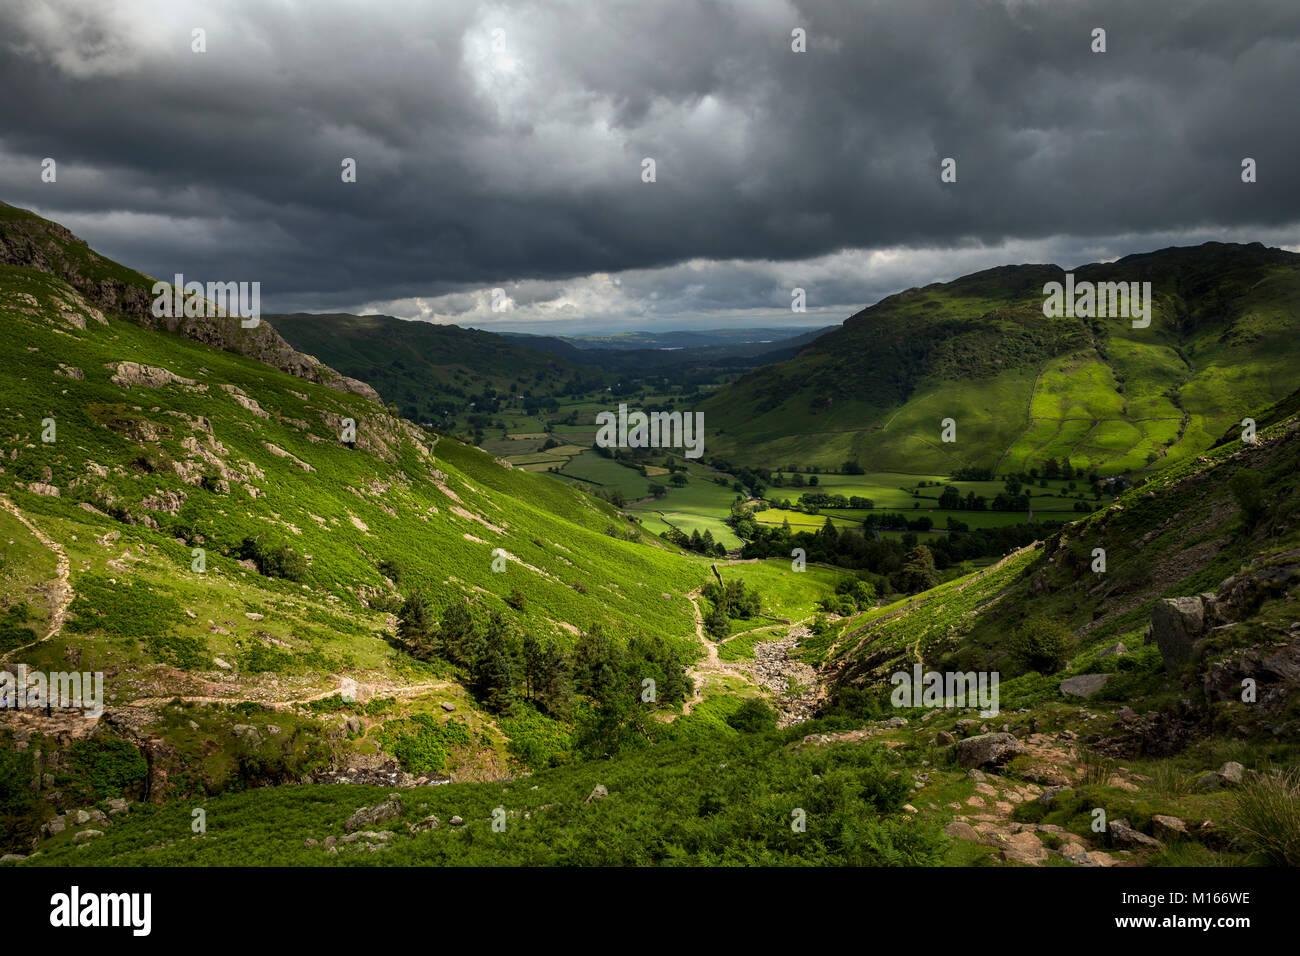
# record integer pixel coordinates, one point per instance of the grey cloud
(481, 167)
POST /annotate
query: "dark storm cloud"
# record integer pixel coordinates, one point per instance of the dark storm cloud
(514, 159)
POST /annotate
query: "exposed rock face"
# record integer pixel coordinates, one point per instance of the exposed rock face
(34, 243)
(1123, 834)
(988, 750)
(1167, 827)
(169, 502)
(1176, 625)
(133, 373)
(1084, 685)
(1275, 671)
(390, 809)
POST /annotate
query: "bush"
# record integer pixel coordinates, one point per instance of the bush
(19, 805)
(274, 561)
(1042, 645)
(419, 744)
(1248, 489)
(752, 717)
(536, 741)
(107, 766)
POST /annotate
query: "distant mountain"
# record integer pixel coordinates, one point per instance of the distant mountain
(426, 369)
(1022, 387)
(710, 352)
(690, 338)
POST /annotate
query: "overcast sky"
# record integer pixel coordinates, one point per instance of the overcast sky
(501, 145)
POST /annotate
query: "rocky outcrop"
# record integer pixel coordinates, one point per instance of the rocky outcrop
(1176, 626)
(34, 243)
(133, 373)
(1084, 685)
(390, 809)
(988, 750)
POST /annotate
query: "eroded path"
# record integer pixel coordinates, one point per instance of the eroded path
(793, 688)
(60, 593)
(372, 691)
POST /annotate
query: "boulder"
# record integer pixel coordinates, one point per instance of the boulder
(598, 793)
(988, 750)
(1048, 795)
(961, 831)
(1115, 650)
(1232, 773)
(390, 809)
(1084, 685)
(248, 732)
(1123, 834)
(1176, 625)
(1229, 775)
(1024, 848)
(1167, 827)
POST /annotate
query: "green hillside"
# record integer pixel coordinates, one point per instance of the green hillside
(1220, 531)
(428, 370)
(208, 532)
(301, 603)
(1021, 387)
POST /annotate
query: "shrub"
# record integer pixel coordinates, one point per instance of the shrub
(274, 561)
(536, 741)
(752, 717)
(419, 744)
(1042, 645)
(107, 766)
(1248, 489)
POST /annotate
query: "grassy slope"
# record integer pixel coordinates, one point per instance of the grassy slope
(1180, 533)
(235, 449)
(421, 366)
(1022, 387)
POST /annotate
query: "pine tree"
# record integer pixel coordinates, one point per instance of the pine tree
(494, 666)
(460, 638)
(415, 626)
(554, 686)
(595, 666)
(918, 572)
